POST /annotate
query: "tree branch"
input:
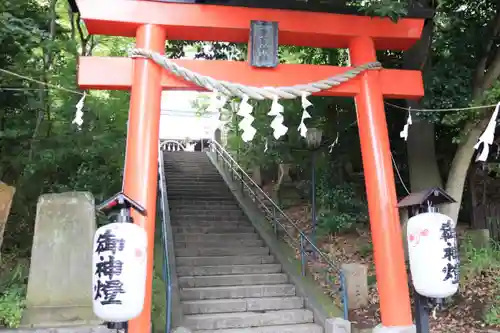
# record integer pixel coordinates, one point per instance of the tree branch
(483, 77)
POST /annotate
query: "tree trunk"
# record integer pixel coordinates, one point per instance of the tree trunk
(457, 175)
(486, 74)
(423, 166)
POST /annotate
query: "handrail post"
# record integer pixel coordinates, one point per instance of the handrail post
(302, 255)
(344, 294)
(275, 225)
(242, 181)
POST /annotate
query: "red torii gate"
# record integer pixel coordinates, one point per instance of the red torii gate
(151, 23)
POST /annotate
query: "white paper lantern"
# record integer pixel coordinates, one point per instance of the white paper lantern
(433, 254)
(119, 262)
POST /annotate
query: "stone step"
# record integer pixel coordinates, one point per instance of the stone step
(201, 223)
(208, 217)
(195, 221)
(193, 179)
(300, 328)
(189, 168)
(219, 188)
(221, 251)
(193, 209)
(247, 319)
(187, 237)
(217, 229)
(242, 305)
(198, 195)
(228, 269)
(203, 201)
(211, 214)
(176, 177)
(180, 204)
(232, 243)
(277, 290)
(199, 191)
(178, 198)
(231, 280)
(225, 260)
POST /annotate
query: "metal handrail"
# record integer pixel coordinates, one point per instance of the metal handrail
(167, 278)
(249, 184)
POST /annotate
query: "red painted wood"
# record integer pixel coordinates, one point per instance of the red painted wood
(392, 280)
(232, 24)
(116, 74)
(140, 178)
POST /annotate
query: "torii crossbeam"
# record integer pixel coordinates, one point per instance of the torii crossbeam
(151, 23)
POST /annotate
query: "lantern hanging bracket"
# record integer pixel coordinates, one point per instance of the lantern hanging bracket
(123, 204)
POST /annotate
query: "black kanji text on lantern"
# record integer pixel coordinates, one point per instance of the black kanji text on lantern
(109, 291)
(109, 242)
(108, 269)
(450, 253)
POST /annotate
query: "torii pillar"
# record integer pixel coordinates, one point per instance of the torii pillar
(151, 23)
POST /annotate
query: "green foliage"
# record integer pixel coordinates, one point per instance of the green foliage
(12, 291)
(341, 207)
(394, 9)
(479, 262)
(476, 261)
(492, 315)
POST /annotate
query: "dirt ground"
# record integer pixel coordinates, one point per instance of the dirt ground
(463, 313)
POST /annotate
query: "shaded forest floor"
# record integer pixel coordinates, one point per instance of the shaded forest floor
(476, 308)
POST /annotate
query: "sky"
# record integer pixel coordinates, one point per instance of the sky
(178, 118)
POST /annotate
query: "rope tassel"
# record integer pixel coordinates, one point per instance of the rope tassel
(488, 136)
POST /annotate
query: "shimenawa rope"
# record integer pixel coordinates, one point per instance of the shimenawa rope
(259, 93)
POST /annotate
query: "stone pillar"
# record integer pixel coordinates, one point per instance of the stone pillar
(479, 238)
(6, 196)
(60, 279)
(356, 277)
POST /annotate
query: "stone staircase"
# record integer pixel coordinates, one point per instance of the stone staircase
(229, 280)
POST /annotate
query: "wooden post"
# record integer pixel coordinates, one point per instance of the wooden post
(379, 179)
(141, 162)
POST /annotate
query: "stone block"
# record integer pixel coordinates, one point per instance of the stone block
(70, 329)
(395, 329)
(337, 325)
(356, 277)
(60, 279)
(6, 196)
(479, 238)
(181, 329)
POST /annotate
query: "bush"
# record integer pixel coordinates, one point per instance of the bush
(12, 292)
(341, 207)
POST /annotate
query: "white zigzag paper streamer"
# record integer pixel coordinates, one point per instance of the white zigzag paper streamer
(78, 120)
(305, 115)
(217, 102)
(488, 136)
(245, 111)
(404, 133)
(277, 124)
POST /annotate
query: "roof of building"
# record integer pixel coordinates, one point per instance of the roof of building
(330, 6)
